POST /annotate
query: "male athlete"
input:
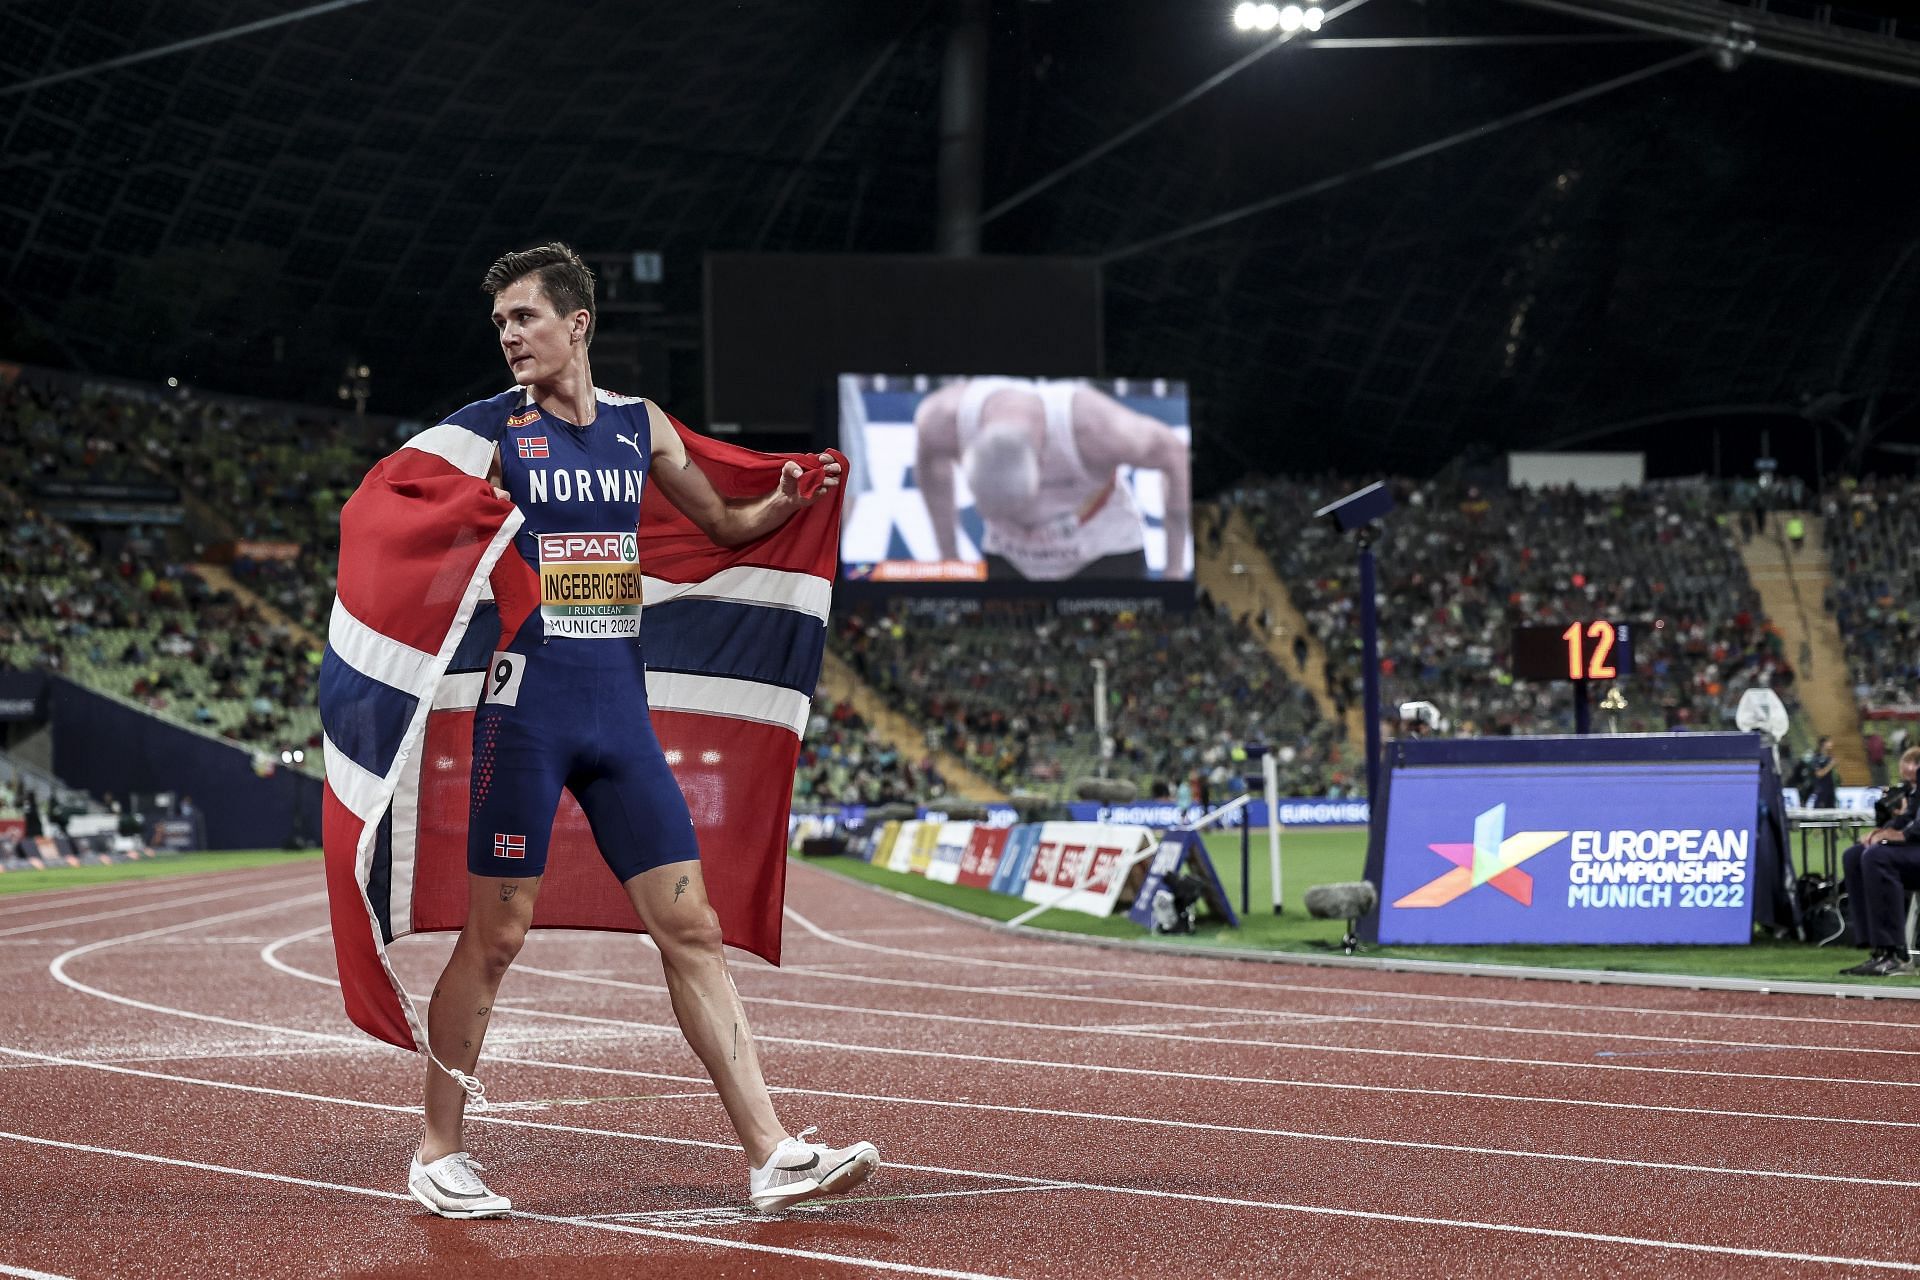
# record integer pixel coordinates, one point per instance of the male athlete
(1042, 460)
(571, 711)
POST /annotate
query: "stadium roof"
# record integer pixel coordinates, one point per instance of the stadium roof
(254, 212)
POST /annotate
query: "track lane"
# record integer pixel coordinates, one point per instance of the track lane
(811, 1060)
(1313, 1234)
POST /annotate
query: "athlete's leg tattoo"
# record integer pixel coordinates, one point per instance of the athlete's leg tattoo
(672, 902)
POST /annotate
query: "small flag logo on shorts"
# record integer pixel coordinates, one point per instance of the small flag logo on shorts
(533, 447)
(509, 846)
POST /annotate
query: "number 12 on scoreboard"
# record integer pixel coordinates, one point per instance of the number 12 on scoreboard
(1590, 650)
(1598, 649)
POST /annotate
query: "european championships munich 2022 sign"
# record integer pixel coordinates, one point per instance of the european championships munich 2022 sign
(1653, 851)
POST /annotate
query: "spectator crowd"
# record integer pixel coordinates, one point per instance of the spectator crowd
(1009, 690)
(1459, 567)
(138, 620)
(1012, 693)
(1872, 530)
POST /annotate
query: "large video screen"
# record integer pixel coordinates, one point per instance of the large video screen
(994, 479)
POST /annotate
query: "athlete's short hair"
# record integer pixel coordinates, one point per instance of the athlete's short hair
(567, 281)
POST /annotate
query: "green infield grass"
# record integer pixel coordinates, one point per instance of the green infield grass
(1311, 857)
(184, 864)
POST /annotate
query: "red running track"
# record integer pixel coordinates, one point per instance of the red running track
(180, 1095)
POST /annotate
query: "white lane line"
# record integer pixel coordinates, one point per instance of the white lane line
(1251, 1017)
(729, 1215)
(977, 1173)
(1200, 1026)
(58, 968)
(1057, 993)
(1214, 1127)
(141, 909)
(30, 900)
(1371, 993)
(710, 1242)
(1084, 1068)
(268, 954)
(26, 1274)
(1105, 1068)
(1468, 1224)
(1271, 1081)
(828, 1206)
(1290, 1046)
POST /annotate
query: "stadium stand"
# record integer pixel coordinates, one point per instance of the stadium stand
(1873, 541)
(842, 761)
(139, 622)
(1870, 535)
(233, 649)
(1011, 692)
(1459, 566)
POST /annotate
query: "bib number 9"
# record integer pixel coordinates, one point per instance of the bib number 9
(503, 679)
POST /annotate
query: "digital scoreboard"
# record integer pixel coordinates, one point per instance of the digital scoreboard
(1580, 650)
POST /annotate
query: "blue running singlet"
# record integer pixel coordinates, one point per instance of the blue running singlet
(565, 703)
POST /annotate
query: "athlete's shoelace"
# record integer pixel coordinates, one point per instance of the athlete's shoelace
(457, 1172)
(778, 1174)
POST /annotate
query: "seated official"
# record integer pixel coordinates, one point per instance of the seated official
(1879, 873)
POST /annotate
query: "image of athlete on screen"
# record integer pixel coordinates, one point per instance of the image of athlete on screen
(1042, 461)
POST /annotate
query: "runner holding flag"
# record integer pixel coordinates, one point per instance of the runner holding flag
(564, 705)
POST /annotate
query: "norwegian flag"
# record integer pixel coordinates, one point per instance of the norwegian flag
(509, 846)
(533, 446)
(428, 585)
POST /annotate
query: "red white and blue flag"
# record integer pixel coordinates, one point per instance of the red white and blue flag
(428, 580)
(533, 446)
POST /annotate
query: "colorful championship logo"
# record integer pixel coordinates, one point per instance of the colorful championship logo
(1493, 858)
(533, 446)
(590, 585)
(505, 846)
(522, 419)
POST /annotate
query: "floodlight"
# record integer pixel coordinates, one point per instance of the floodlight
(1313, 19)
(1245, 15)
(1291, 17)
(1266, 17)
(286, 757)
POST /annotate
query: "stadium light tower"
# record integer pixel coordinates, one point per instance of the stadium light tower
(1355, 514)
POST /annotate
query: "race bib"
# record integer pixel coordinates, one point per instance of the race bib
(590, 585)
(503, 679)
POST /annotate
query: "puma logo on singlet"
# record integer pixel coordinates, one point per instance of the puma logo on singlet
(631, 443)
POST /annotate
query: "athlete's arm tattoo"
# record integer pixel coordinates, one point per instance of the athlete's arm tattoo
(680, 888)
(736, 1042)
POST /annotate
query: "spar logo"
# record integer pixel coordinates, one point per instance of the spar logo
(622, 547)
(1493, 858)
